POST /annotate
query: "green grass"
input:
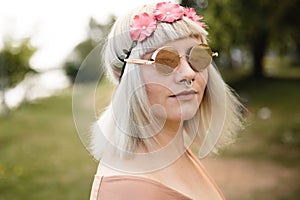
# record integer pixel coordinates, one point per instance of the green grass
(41, 154)
(275, 134)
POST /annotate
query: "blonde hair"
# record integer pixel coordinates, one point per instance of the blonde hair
(130, 111)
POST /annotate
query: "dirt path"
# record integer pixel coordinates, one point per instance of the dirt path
(245, 179)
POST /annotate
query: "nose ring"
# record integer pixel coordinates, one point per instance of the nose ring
(187, 83)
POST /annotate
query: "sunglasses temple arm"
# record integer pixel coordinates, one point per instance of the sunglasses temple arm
(139, 61)
(214, 54)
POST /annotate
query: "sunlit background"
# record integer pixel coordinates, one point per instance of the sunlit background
(43, 43)
(55, 28)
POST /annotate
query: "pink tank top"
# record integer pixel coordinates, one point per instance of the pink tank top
(127, 187)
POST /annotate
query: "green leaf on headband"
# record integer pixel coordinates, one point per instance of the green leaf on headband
(118, 65)
(125, 51)
(122, 57)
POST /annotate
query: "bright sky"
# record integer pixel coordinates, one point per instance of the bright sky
(56, 26)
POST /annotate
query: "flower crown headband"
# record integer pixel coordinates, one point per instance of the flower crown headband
(145, 24)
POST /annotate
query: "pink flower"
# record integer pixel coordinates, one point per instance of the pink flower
(168, 12)
(201, 24)
(144, 25)
(191, 13)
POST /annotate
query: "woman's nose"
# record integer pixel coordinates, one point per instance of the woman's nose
(184, 70)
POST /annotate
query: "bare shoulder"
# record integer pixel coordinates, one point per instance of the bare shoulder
(104, 170)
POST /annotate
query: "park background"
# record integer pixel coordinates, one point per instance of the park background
(42, 157)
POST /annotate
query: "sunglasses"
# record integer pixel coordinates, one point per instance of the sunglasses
(167, 59)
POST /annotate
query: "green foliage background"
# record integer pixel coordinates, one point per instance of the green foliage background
(41, 155)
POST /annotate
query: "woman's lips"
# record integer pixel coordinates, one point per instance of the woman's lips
(185, 95)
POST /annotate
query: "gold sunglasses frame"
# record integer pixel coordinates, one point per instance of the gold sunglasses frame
(150, 62)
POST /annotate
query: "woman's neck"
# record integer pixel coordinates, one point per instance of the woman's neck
(171, 134)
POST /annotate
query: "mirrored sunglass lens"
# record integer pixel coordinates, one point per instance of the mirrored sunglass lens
(166, 60)
(200, 57)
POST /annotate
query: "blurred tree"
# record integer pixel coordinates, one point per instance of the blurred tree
(14, 64)
(96, 33)
(252, 25)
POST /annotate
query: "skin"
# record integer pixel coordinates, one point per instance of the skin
(182, 175)
(161, 89)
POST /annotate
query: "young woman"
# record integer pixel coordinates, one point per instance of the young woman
(169, 99)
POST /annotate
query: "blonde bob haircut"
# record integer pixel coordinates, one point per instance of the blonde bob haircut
(128, 121)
